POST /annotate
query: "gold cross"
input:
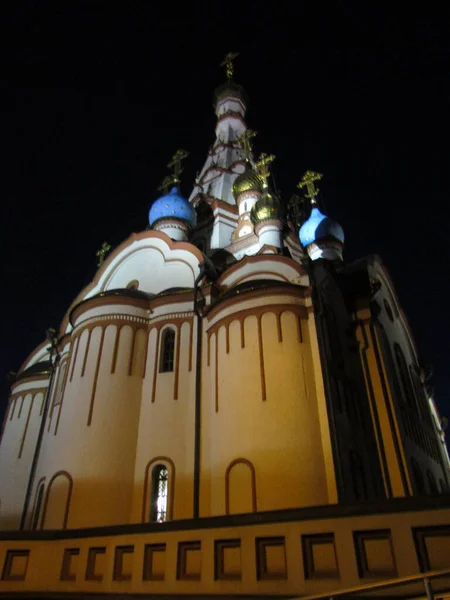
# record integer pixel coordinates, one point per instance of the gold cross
(228, 63)
(244, 141)
(262, 166)
(176, 161)
(307, 181)
(100, 254)
(167, 182)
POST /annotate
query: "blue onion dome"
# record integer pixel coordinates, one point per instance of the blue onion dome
(319, 226)
(247, 181)
(172, 206)
(267, 207)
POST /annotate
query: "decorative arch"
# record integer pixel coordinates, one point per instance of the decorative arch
(171, 251)
(165, 460)
(249, 465)
(68, 497)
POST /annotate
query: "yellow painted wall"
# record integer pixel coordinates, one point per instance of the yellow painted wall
(108, 457)
(166, 427)
(100, 456)
(389, 432)
(274, 434)
(400, 558)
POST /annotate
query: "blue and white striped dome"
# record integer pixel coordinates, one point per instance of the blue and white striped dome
(319, 226)
(172, 205)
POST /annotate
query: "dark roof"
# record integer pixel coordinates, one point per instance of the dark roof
(128, 292)
(40, 368)
(249, 286)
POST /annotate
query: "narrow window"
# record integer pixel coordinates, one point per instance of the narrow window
(37, 510)
(167, 350)
(158, 499)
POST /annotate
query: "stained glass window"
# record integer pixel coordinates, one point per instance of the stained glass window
(158, 506)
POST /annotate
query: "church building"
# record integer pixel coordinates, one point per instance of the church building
(229, 408)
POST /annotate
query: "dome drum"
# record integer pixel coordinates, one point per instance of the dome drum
(248, 195)
(327, 248)
(175, 228)
(269, 232)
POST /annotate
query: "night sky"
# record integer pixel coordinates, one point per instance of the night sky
(97, 96)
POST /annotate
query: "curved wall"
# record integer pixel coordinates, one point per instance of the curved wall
(19, 436)
(93, 438)
(259, 405)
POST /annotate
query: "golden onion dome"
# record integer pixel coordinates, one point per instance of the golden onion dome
(267, 207)
(247, 181)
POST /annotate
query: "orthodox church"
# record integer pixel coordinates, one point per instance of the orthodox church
(228, 408)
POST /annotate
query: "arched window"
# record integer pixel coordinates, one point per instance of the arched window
(443, 486)
(417, 477)
(358, 477)
(432, 486)
(159, 494)
(407, 389)
(37, 508)
(167, 351)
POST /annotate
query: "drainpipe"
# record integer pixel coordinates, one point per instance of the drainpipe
(52, 338)
(206, 268)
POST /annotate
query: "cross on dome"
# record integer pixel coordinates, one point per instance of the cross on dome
(307, 181)
(175, 163)
(244, 141)
(228, 63)
(102, 252)
(262, 166)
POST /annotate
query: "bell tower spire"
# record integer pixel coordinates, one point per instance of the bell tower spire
(227, 157)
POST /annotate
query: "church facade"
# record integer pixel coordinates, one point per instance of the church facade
(227, 408)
